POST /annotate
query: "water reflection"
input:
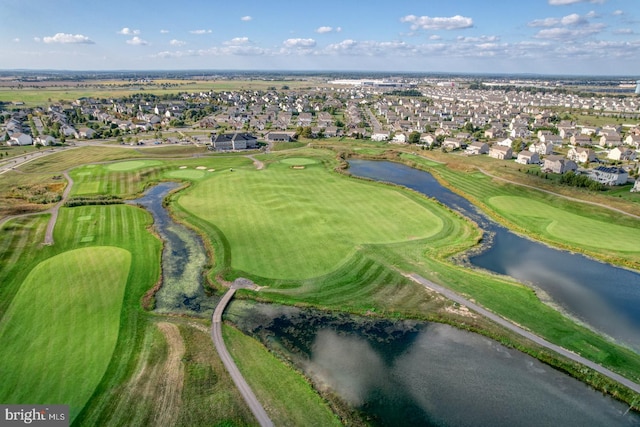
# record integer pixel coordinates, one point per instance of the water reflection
(603, 296)
(410, 373)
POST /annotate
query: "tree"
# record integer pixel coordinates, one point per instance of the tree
(414, 137)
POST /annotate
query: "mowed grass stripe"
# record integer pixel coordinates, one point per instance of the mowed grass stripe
(566, 226)
(293, 224)
(61, 328)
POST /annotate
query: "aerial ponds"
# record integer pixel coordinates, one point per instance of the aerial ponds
(603, 296)
(417, 373)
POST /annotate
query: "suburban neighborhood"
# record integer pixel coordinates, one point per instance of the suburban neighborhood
(530, 125)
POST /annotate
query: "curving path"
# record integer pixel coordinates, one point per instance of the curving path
(503, 322)
(238, 379)
(48, 236)
(257, 163)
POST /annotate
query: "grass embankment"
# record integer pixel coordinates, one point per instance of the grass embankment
(594, 230)
(286, 395)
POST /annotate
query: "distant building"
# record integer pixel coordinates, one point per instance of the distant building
(638, 87)
(558, 164)
(233, 141)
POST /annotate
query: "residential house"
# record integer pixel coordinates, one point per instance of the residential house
(427, 139)
(44, 140)
(477, 147)
(581, 155)
(502, 153)
(621, 153)
(550, 138)
(279, 136)
(542, 148)
(581, 140)
(380, 136)
(559, 164)
(527, 157)
(636, 187)
(452, 143)
(19, 138)
(400, 138)
(233, 141)
(609, 175)
(633, 141)
(86, 133)
(505, 143)
(610, 140)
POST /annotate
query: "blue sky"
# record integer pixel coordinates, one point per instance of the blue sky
(486, 36)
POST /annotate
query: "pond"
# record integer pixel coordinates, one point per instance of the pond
(605, 297)
(407, 373)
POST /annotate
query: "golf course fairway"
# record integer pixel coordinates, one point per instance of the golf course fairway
(61, 328)
(294, 224)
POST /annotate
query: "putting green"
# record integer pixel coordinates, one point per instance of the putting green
(283, 224)
(299, 161)
(87, 188)
(565, 226)
(61, 328)
(131, 165)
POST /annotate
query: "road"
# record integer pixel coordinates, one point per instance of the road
(503, 322)
(238, 379)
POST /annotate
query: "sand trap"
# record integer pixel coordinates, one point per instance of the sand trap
(211, 170)
(183, 167)
(201, 168)
(298, 167)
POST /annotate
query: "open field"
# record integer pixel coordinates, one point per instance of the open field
(72, 332)
(294, 224)
(45, 94)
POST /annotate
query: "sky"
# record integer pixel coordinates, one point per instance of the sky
(568, 37)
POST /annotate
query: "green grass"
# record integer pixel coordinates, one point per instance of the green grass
(285, 394)
(293, 224)
(131, 165)
(60, 331)
(565, 226)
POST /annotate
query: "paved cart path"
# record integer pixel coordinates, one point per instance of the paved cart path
(238, 379)
(541, 341)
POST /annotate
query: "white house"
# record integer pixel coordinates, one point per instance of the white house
(581, 155)
(542, 148)
(501, 153)
(19, 138)
(636, 187)
(380, 136)
(609, 176)
(44, 140)
(400, 138)
(621, 153)
(477, 147)
(526, 157)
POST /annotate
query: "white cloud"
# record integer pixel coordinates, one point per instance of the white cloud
(246, 18)
(567, 33)
(326, 29)
(67, 39)
(438, 23)
(618, 12)
(128, 32)
(137, 41)
(16, 40)
(200, 32)
(624, 31)
(175, 42)
(573, 19)
(164, 31)
(238, 41)
(299, 43)
(435, 37)
(567, 2)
